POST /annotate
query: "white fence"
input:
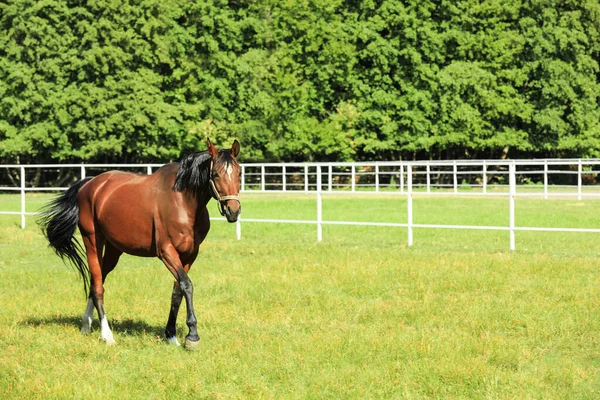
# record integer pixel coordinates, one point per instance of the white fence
(546, 178)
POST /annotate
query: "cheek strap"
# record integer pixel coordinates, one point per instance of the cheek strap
(215, 193)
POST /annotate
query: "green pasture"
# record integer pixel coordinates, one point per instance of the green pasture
(359, 315)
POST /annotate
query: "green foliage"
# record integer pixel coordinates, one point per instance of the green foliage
(300, 80)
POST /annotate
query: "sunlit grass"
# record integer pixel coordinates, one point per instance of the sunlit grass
(359, 315)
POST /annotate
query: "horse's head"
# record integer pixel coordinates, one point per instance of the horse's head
(225, 179)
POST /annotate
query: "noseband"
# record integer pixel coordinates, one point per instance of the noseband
(215, 194)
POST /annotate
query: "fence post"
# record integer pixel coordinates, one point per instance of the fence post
(401, 178)
(82, 171)
(329, 177)
(377, 177)
(149, 169)
(428, 179)
(455, 176)
(283, 177)
(513, 189)
(409, 204)
(579, 171)
(353, 177)
(243, 178)
(22, 197)
(546, 179)
(306, 178)
(262, 178)
(484, 176)
(319, 206)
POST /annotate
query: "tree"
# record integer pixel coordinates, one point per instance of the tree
(299, 80)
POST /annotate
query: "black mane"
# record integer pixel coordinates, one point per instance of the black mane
(193, 173)
(226, 157)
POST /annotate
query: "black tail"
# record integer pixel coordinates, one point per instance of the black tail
(58, 222)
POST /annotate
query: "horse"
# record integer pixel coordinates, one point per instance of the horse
(160, 215)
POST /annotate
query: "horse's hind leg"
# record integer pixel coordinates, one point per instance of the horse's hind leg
(94, 245)
(88, 316)
(109, 262)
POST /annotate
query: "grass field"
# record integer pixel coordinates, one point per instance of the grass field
(359, 315)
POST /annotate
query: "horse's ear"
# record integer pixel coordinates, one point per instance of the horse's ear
(235, 148)
(212, 150)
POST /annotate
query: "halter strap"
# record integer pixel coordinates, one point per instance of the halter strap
(215, 193)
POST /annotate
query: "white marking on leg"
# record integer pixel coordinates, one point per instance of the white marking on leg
(88, 317)
(173, 340)
(107, 335)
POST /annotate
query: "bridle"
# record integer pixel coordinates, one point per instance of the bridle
(215, 193)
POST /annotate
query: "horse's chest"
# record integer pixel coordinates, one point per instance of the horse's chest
(184, 230)
(184, 243)
(187, 241)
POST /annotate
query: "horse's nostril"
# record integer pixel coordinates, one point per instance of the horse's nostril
(232, 211)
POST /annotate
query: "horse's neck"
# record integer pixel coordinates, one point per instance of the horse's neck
(203, 201)
(197, 202)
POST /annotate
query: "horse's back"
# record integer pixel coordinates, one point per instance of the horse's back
(123, 206)
(121, 187)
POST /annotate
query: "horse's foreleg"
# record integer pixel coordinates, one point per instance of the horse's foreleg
(172, 261)
(176, 298)
(171, 329)
(192, 338)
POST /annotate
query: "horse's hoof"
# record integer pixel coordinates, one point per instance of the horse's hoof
(109, 341)
(173, 341)
(192, 346)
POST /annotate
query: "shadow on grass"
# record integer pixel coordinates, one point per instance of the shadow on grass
(122, 327)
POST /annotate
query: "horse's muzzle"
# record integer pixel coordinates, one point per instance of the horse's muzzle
(231, 213)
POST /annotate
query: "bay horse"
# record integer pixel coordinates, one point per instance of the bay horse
(161, 215)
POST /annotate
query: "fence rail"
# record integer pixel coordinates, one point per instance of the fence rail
(576, 178)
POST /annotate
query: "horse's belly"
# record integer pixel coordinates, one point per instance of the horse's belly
(131, 240)
(127, 224)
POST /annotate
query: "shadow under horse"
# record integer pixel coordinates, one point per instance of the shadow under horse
(161, 215)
